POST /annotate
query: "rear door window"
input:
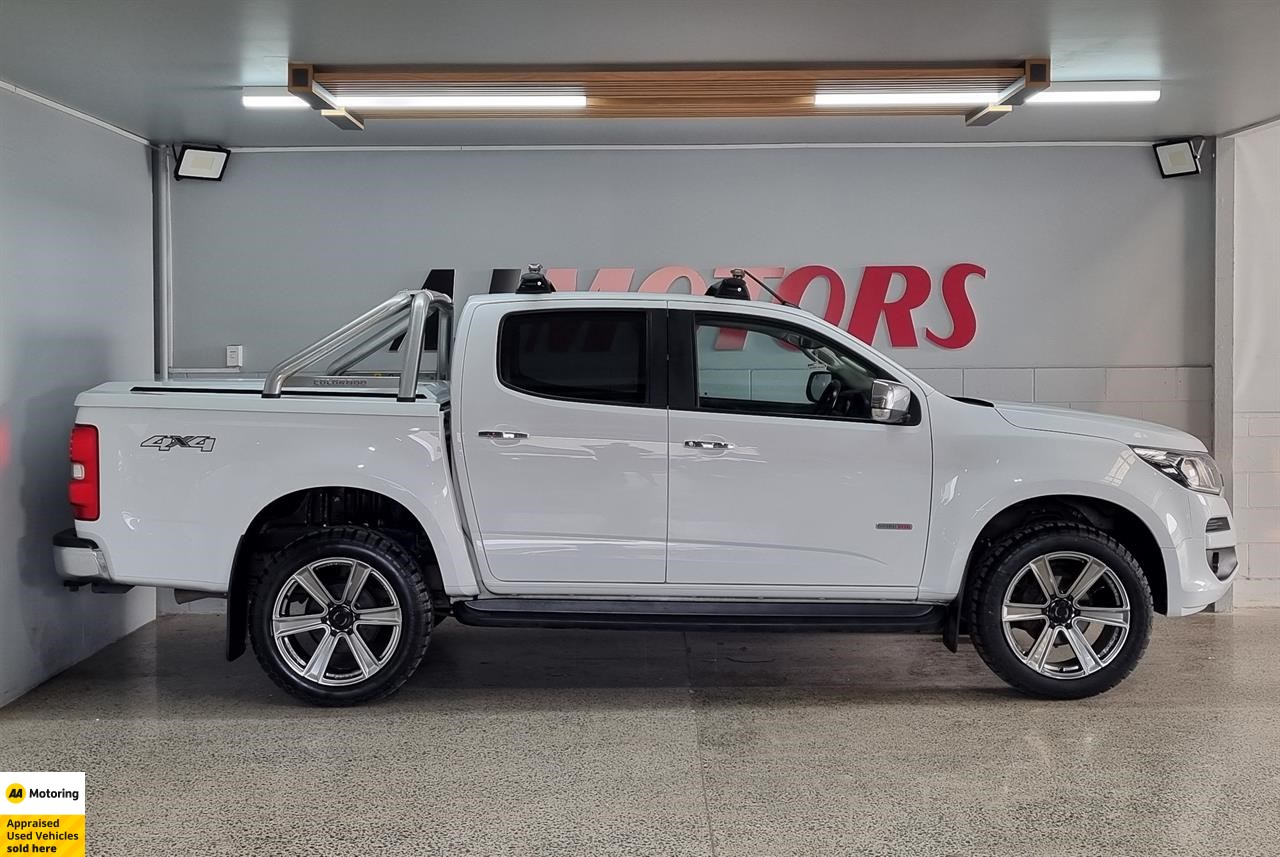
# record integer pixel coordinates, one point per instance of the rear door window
(583, 355)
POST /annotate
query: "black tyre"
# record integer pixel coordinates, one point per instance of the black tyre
(340, 616)
(1060, 610)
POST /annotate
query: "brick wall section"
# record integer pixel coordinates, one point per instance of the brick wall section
(1178, 396)
(1256, 505)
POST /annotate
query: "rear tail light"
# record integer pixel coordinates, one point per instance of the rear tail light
(83, 491)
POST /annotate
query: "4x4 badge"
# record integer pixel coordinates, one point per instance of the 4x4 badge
(166, 442)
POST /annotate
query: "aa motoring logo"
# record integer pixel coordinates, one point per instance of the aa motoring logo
(44, 814)
(17, 793)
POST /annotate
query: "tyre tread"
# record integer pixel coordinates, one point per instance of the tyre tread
(374, 541)
(980, 605)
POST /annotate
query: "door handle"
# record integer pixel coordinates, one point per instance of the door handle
(708, 444)
(503, 435)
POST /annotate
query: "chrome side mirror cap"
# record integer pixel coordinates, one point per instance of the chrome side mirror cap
(890, 401)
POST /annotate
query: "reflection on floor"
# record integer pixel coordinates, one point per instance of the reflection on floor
(638, 743)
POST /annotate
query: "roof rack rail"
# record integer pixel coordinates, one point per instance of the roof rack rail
(404, 313)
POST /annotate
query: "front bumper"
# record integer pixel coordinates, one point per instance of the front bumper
(78, 560)
(1206, 560)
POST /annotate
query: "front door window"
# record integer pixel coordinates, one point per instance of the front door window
(768, 368)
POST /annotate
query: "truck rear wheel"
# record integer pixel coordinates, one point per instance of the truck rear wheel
(1060, 610)
(340, 616)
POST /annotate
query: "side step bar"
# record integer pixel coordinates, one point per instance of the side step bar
(700, 615)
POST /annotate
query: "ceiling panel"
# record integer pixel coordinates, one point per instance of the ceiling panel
(173, 69)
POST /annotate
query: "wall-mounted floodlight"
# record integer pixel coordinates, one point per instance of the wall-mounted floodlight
(1179, 157)
(206, 163)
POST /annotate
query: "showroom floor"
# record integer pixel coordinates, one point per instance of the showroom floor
(582, 742)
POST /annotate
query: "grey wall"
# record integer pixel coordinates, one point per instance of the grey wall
(1097, 294)
(75, 309)
(291, 244)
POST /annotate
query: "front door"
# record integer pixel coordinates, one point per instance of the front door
(563, 425)
(779, 476)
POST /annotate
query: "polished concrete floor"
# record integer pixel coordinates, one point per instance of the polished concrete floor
(595, 743)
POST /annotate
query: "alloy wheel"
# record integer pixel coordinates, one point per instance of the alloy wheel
(1066, 615)
(336, 621)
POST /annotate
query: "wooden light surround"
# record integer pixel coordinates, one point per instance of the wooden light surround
(659, 92)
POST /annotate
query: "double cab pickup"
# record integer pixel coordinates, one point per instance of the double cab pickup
(635, 460)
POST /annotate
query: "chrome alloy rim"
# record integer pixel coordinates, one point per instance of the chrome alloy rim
(1066, 615)
(336, 621)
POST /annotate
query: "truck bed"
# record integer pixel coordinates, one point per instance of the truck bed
(187, 465)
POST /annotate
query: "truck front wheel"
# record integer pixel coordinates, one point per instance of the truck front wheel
(340, 616)
(1060, 610)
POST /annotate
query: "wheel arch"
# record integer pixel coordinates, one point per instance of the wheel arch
(1110, 517)
(303, 510)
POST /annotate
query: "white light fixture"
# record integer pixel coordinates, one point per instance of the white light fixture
(459, 101)
(902, 99)
(271, 98)
(1099, 92)
(1102, 97)
(201, 162)
(1179, 157)
(279, 98)
(1078, 92)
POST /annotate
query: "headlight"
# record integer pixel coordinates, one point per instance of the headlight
(1195, 470)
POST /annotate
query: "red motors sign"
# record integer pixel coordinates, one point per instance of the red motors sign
(870, 299)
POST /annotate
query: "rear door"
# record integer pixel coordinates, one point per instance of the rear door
(563, 427)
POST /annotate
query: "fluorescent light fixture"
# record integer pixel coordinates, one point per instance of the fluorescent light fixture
(271, 98)
(902, 99)
(206, 163)
(1179, 157)
(1099, 92)
(1053, 96)
(1078, 92)
(459, 101)
(279, 98)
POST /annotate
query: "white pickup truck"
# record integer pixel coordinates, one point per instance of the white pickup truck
(636, 461)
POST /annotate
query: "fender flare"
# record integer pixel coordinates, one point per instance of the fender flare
(955, 609)
(237, 615)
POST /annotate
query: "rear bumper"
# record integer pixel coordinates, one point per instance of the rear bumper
(78, 559)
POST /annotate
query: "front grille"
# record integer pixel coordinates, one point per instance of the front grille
(1217, 525)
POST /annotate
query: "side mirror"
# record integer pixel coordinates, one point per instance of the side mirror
(818, 382)
(890, 401)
